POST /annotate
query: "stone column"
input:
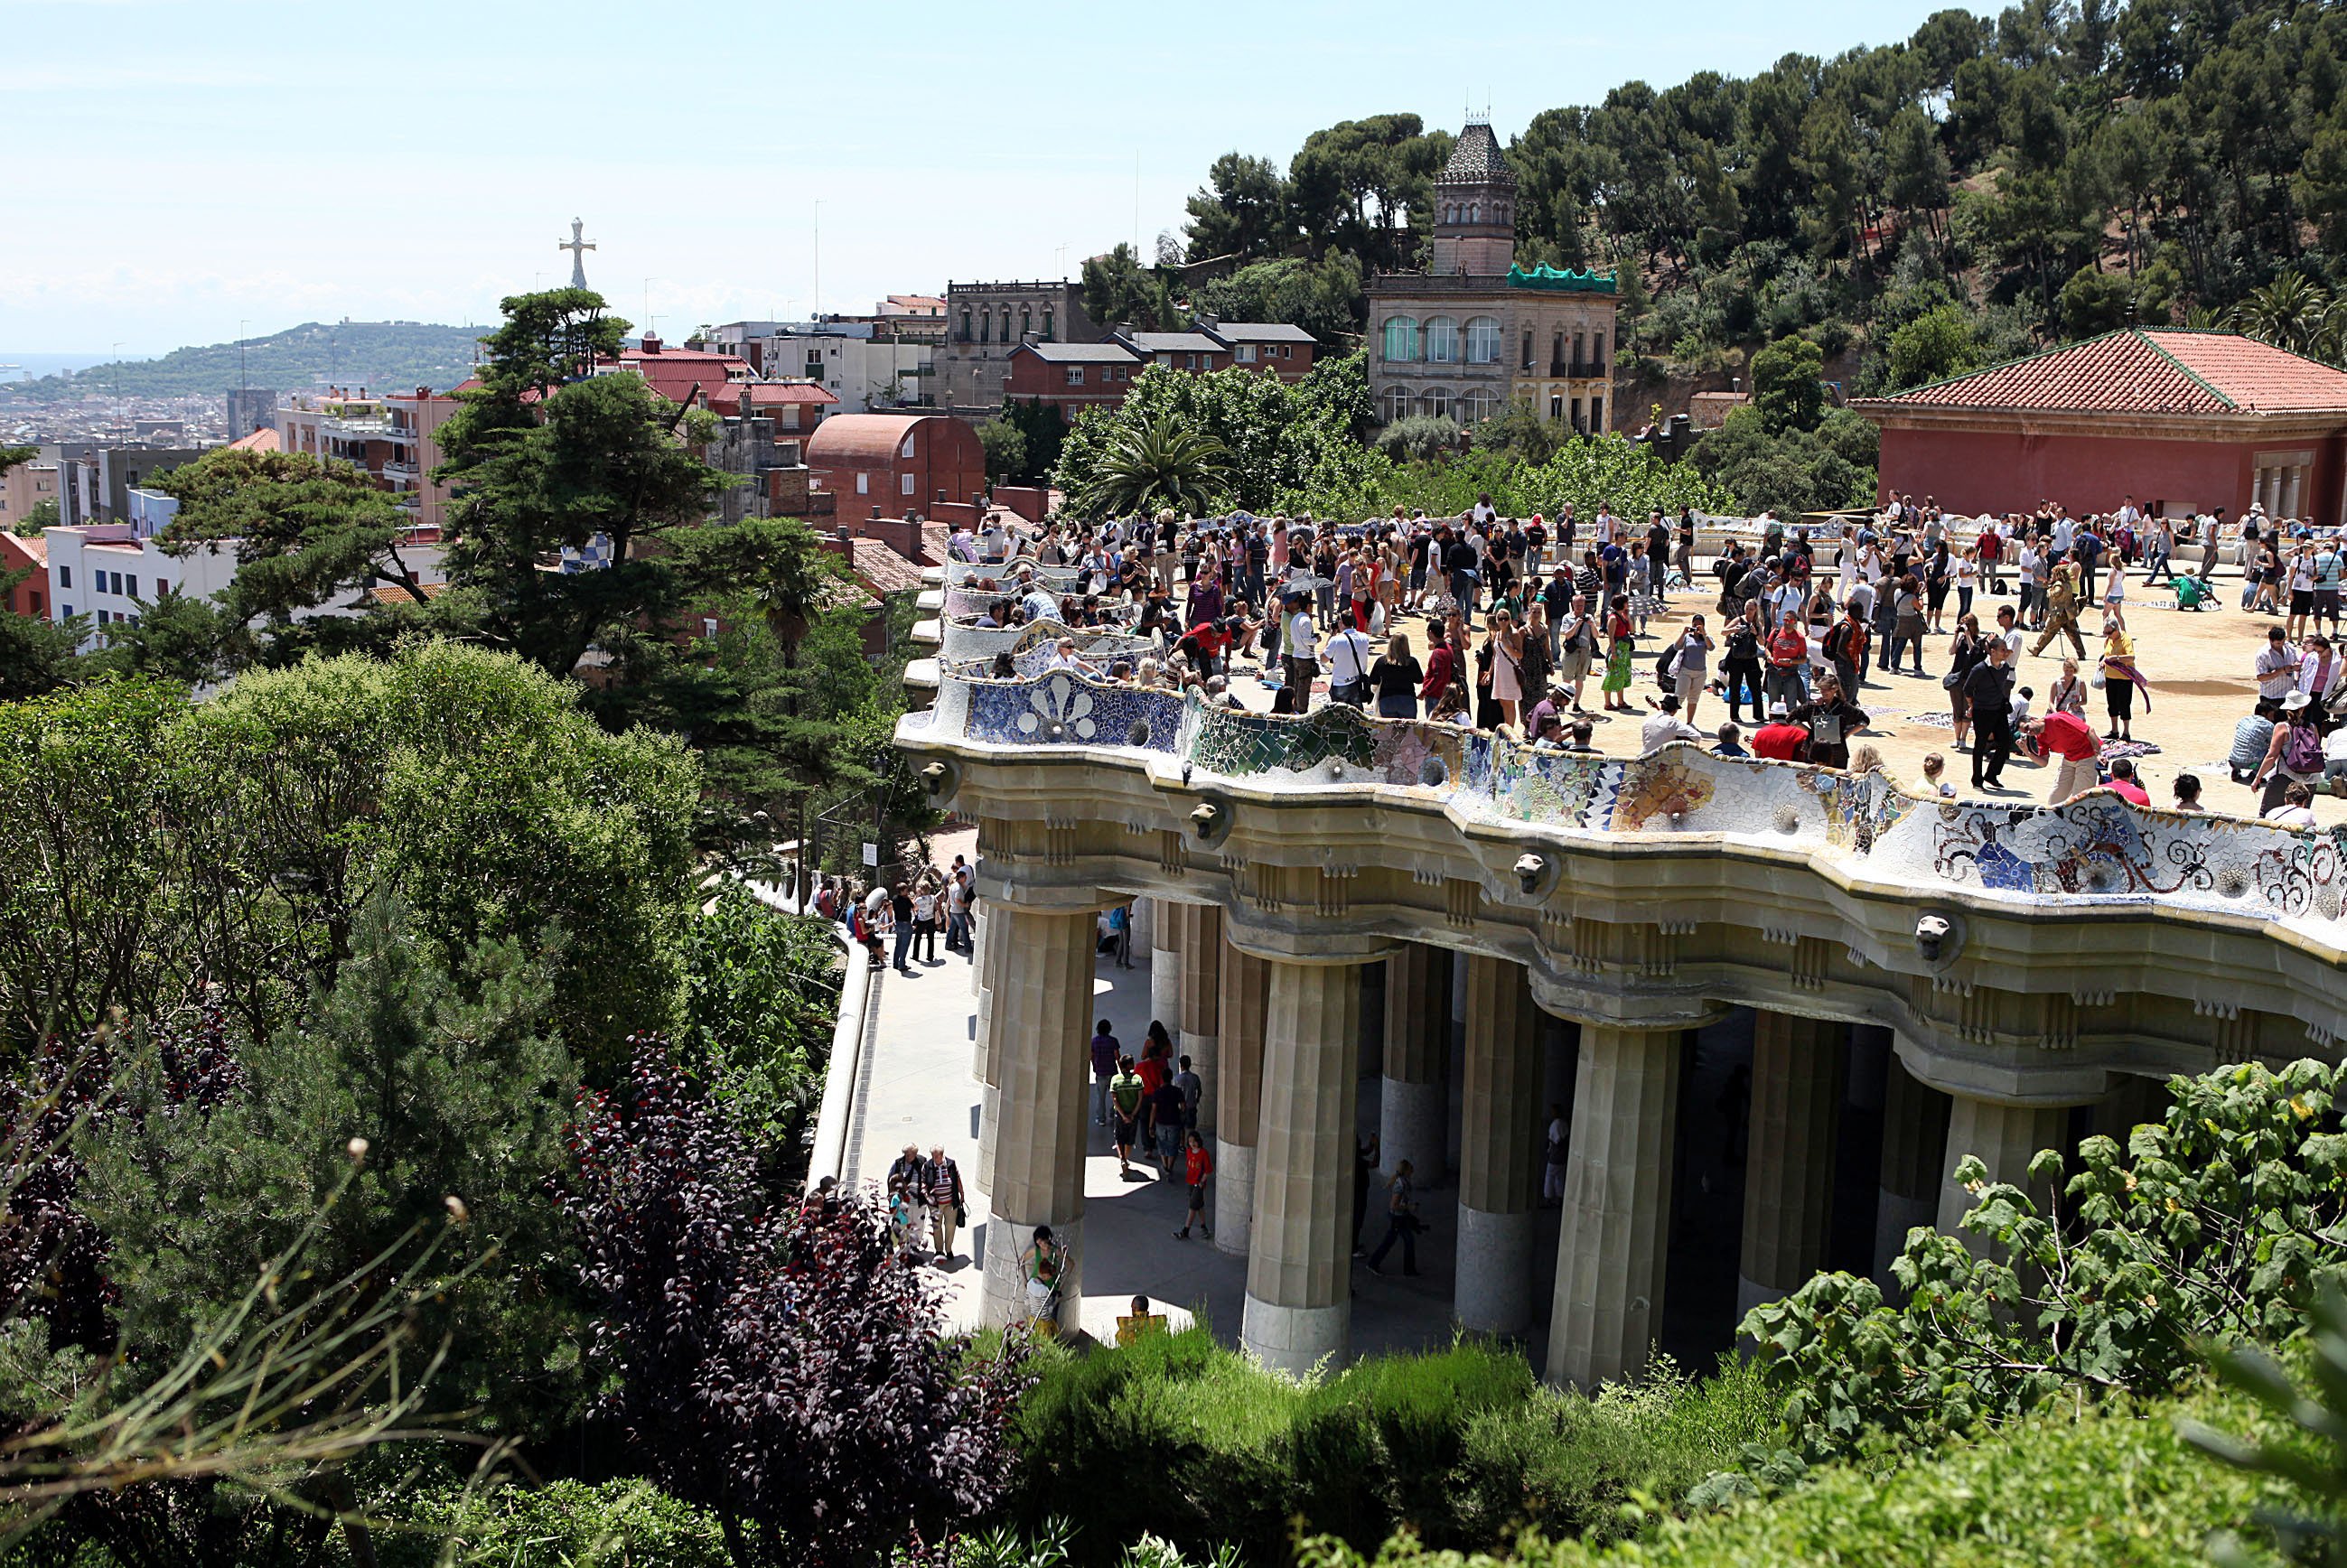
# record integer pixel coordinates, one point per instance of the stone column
(2006, 1138)
(1165, 968)
(1413, 1108)
(1299, 1283)
(1203, 952)
(1043, 996)
(1145, 927)
(1797, 1071)
(1915, 1164)
(1500, 1152)
(988, 964)
(1236, 1095)
(1615, 1228)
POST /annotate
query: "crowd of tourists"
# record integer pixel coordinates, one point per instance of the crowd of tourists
(1504, 623)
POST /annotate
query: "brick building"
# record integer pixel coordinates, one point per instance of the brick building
(1275, 346)
(1475, 331)
(1071, 376)
(896, 461)
(2179, 420)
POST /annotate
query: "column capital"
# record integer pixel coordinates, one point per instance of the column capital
(1586, 1000)
(1024, 891)
(2041, 1080)
(1307, 944)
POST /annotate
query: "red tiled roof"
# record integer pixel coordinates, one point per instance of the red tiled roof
(862, 438)
(936, 543)
(34, 547)
(882, 568)
(726, 397)
(264, 439)
(2139, 370)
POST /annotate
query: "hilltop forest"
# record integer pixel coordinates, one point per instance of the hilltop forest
(2059, 170)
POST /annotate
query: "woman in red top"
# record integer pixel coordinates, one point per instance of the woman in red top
(1618, 646)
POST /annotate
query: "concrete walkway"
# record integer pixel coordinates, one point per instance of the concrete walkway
(916, 1086)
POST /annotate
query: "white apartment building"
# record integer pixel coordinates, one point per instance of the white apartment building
(113, 572)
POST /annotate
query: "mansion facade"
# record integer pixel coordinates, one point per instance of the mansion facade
(1475, 331)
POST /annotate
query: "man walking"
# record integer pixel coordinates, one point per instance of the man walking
(1401, 1223)
(1105, 1052)
(946, 1201)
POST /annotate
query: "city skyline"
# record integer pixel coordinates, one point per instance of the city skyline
(240, 178)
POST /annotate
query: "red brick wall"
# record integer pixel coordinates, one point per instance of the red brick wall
(1994, 472)
(1031, 377)
(1028, 501)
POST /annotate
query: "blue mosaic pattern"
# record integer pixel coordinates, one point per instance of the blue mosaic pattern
(1064, 710)
(2099, 848)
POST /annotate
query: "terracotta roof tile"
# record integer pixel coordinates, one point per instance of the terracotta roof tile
(2139, 370)
(883, 568)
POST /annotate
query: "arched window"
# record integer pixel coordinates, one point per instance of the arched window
(1482, 340)
(965, 326)
(1048, 316)
(1397, 404)
(985, 326)
(1442, 341)
(1435, 402)
(1402, 338)
(1476, 404)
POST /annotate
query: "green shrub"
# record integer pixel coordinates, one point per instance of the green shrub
(1181, 1438)
(2115, 1487)
(618, 1524)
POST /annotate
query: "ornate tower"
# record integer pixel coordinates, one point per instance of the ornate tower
(1474, 206)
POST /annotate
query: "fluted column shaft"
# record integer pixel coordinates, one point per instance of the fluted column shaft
(2006, 1138)
(1299, 1287)
(1499, 1153)
(1796, 1074)
(1042, 1019)
(1413, 1108)
(988, 968)
(1615, 1232)
(1915, 1163)
(1235, 1093)
(1165, 968)
(1202, 953)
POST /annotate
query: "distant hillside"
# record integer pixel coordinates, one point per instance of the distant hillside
(378, 355)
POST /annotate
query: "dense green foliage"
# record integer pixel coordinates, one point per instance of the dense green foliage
(1275, 440)
(2215, 1224)
(2115, 1487)
(1606, 470)
(2311, 1451)
(616, 1524)
(451, 1075)
(1793, 470)
(2181, 154)
(761, 990)
(381, 355)
(1178, 1437)
(238, 839)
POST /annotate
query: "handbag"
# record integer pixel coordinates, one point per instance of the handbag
(1951, 681)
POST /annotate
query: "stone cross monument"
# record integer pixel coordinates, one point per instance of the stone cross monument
(578, 248)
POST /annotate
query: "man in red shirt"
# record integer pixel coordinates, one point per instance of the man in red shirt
(2065, 736)
(1780, 738)
(2124, 784)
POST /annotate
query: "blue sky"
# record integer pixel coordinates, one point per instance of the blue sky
(179, 168)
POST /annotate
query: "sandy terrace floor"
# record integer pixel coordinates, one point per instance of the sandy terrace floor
(2201, 666)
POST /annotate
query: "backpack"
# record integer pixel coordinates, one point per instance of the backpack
(2302, 753)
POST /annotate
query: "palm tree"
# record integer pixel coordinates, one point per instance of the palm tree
(2288, 312)
(1160, 463)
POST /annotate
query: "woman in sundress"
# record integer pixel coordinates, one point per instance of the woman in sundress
(1618, 641)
